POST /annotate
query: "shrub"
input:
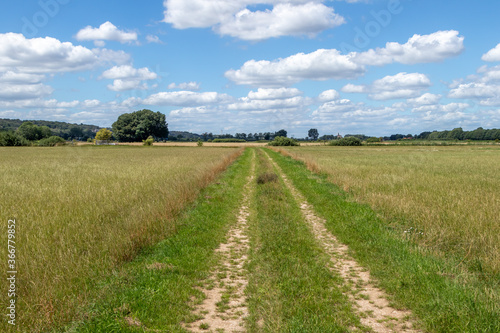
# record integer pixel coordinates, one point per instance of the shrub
(267, 178)
(349, 141)
(373, 140)
(283, 141)
(148, 142)
(12, 139)
(52, 141)
(199, 143)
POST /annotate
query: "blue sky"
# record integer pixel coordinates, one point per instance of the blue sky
(376, 67)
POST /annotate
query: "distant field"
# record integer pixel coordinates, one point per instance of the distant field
(449, 196)
(81, 210)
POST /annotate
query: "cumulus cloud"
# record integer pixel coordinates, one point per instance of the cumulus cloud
(279, 93)
(127, 77)
(434, 47)
(401, 85)
(186, 98)
(191, 86)
(325, 64)
(9, 91)
(319, 65)
(492, 55)
(234, 18)
(328, 95)
(425, 99)
(283, 20)
(43, 55)
(107, 31)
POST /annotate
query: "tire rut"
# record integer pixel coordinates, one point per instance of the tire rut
(370, 302)
(225, 308)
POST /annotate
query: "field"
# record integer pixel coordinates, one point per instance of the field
(448, 195)
(80, 211)
(224, 239)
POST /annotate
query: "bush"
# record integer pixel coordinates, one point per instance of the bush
(267, 178)
(349, 141)
(373, 140)
(199, 143)
(148, 142)
(52, 141)
(283, 141)
(12, 139)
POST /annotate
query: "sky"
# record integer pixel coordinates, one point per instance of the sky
(373, 67)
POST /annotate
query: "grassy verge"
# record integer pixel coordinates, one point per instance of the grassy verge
(155, 290)
(290, 287)
(441, 294)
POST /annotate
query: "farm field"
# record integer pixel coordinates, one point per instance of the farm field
(80, 211)
(448, 196)
(207, 239)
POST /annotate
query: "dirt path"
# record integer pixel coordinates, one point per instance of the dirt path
(224, 308)
(371, 302)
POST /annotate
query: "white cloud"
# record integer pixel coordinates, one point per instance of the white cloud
(234, 18)
(191, 86)
(435, 47)
(186, 98)
(401, 85)
(328, 95)
(318, 65)
(425, 99)
(127, 77)
(492, 55)
(20, 78)
(283, 20)
(475, 90)
(153, 39)
(325, 64)
(107, 31)
(24, 91)
(279, 93)
(43, 55)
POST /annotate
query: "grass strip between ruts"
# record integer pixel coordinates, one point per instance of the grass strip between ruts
(417, 280)
(290, 287)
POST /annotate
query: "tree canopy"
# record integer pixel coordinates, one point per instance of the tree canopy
(313, 133)
(33, 132)
(139, 125)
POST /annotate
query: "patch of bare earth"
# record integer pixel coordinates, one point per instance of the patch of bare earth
(371, 302)
(224, 309)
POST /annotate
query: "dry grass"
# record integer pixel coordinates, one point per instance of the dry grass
(448, 194)
(82, 210)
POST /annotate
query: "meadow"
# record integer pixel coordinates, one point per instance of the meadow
(445, 198)
(81, 211)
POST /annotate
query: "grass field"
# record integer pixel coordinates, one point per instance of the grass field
(446, 198)
(82, 210)
(125, 239)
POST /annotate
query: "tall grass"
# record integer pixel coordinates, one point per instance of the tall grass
(81, 211)
(449, 194)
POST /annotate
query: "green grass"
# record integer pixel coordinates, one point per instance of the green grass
(290, 287)
(81, 211)
(158, 288)
(444, 296)
(449, 193)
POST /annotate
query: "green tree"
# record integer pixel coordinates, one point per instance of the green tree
(281, 132)
(33, 132)
(313, 134)
(139, 125)
(104, 134)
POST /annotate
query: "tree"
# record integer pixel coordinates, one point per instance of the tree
(104, 134)
(281, 132)
(33, 132)
(313, 134)
(139, 125)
